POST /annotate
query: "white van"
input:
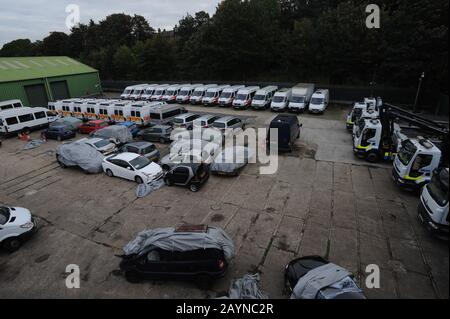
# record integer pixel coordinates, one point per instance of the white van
(159, 92)
(228, 95)
(319, 101)
(127, 92)
(148, 92)
(186, 92)
(244, 97)
(140, 112)
(80, 107)
(164, 114)
(67, 106)
(301, 96)
(138, 92)
(10, 104)
(170, 96)
(264, 97)
(103, 109)
(120, 111)
(89, 109)
(212, 95)
(280, 101)
(24, 119)
(199, 93)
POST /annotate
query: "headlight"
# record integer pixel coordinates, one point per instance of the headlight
(28, 225)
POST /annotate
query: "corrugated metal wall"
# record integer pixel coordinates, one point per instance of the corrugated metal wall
(79, 85)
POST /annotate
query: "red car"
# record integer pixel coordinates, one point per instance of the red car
(92, 126)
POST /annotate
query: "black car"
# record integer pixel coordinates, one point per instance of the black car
(288, 128)
(158, 133)
(188, 175)
(202, 266)
(60, 132)
(300, 267)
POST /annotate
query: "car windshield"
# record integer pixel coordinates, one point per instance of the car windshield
(356, 114)
(137, 92)
(127, 91)
(438, 188)
(210, 94)
(360, 127)
(226, 95)
(140, 162)
(178, 121)
(170, 92)
(149, 92)
(159, 92)
(298, 99)
(259, 97)
(241, 97)
(4, 215)
(278, 99)
(219, 125)
(198, 93)
(407, 152)
(184, 93)
(317, 100)
(101, 143)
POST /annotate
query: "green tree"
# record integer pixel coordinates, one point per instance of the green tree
(19, 47)
(124, 62)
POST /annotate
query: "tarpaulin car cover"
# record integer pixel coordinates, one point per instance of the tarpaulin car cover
(247, 288)
(232, 159)
(72, 122)
(170, 240)
(118, 133)
(82, 155)
(317, 279)
(146, 189)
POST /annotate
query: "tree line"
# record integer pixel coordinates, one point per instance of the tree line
(324, 41)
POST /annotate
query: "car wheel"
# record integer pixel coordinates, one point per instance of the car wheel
(372, 157)
(204, 282)
(162, 140)
(165, 167)
(139, 180)
(194, 188)
(12, 244)
(132, 277)
(109, 173)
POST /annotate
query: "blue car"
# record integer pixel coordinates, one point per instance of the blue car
(59, 132)
(134, 129)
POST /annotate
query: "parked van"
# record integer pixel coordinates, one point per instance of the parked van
(263, 98)
(185, 121)
(319, 101)
(120, 111)
(186, 92)
(80, 107)
(138, 92)
(199, 93)
(301, 96)
(228, 95)
(244, 97)
(165, 114)
(212, 95)
(288, 128)
(140, 112)
(159, 92)
(10, 104)
(148, 92)
(281, 99)
(89, 109)
(67, 106)
(103, 109)
(24, 119)
(127, 92)
(170, 96)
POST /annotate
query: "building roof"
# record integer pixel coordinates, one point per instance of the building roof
(27, 68)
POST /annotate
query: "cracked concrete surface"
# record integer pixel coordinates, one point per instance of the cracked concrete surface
(322, 201)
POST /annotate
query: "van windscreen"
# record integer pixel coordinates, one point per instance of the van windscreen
(317, 100)
(298, 99)
(198, 93)
(241, 97)
(226, 95)
(184, 93)
(259, 97)
(278, 99)
(210, 94)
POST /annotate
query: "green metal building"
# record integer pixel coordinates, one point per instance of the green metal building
(38, 80)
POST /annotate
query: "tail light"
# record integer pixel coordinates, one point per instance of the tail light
(221, 264)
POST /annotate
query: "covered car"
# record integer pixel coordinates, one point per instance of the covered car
(71, 122)
(315, 278)
(117, 133)
(80, 154)
(232, 160)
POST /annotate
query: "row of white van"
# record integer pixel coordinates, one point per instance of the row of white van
(143, 113)
(299, 98)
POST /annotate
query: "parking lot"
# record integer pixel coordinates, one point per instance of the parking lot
(322, 201)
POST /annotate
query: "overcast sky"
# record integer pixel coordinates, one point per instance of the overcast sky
(34, 19)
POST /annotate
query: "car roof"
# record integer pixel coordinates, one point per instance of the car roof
(125, 156)
(161, 126)
(185, 115)
(226, 119)
(206, 117)
(128, 123)
(139, 144)
(96, 121)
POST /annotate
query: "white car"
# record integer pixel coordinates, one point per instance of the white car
(133, 167)
(102, 145)
(16, 225)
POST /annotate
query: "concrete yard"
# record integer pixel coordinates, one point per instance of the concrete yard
(322, 201)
